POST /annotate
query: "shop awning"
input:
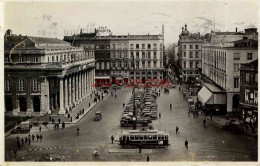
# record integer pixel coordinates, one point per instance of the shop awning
(204, 95)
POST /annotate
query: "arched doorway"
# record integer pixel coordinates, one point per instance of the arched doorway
(23, 104)
(236, 99)
(36, 104)
(8, 103)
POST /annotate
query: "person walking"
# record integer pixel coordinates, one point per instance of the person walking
(177, 130)
(22, 141)
(29, 141)
(140, 148)
(25, 141)
(63, 125)
(115, 96)
(18, 143)
(204, 122)
(159, 114)
(186, 144)
(170, 106)
(40, 137)
(211, 116)
(112, 139)
(37, 137)
(147, 158)
(33, 137)
(15, 152)
(40, 128)
(123, 105)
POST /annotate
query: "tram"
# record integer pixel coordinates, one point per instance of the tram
(144, 138)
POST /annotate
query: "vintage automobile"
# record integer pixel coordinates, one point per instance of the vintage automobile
(23, 127)
(166, 90)
(98, 116)
(234, 126)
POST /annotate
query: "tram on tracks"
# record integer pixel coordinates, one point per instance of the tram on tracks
(145, 138)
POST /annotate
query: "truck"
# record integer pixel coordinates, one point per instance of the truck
(128, 121)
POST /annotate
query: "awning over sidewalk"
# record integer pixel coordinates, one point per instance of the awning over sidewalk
(204, 95)
(102, 77)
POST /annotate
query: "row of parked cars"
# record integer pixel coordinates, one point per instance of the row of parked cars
(145, 107)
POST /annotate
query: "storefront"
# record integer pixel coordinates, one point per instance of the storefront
(212, 99)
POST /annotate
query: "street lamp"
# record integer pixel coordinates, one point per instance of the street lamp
(134, 112)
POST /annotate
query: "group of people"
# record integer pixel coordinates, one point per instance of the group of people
(20, 142)
(56, 125)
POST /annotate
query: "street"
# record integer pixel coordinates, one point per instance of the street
(205, 144)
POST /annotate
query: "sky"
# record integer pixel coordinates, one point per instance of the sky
(55, 19)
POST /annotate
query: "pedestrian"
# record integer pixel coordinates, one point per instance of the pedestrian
(186, 144)
(147, 158)
(71, 119)
(83, 111)
(227, 117)
(29, 141)
(159, 93)
(123, 105)
(37, 137)
(15, 152)
(68, 115)
(112, 139)
(18, 143)
(63, 125)
(91, 95)
(33, 137)
(29, 136)
(40, 128)
(111, 93)
(25, 141)
(211, 116)
(140, 148)
(58, 126)
(159, 114)
(159, 90)
(177, 130)
(170, 105)
(88, 104)
(59, 120)
(40, 137)
(22, 141)
(204, 122)
(115, 96)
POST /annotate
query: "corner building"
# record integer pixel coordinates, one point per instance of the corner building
(45, 75)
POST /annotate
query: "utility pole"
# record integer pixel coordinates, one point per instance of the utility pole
(134, 112)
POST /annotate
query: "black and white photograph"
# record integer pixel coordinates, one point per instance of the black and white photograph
(129, 81)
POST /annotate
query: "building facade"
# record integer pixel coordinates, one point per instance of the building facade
(45, 75)
(190, 49)
(248, 110)
(221, 63)
(115, 54)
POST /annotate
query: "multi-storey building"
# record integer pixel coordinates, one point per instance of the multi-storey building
(248, 110)
(190, 45)
(220, 70)
(45, 75)
(114, 55)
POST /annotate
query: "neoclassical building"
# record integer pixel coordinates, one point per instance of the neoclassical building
(45, 75)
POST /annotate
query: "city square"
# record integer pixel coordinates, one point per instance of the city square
(183, 92)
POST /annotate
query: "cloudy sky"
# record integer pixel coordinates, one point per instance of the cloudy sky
(55, 19)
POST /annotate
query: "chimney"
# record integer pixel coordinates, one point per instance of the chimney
(185, 26)
(80, 31)
(236, 29)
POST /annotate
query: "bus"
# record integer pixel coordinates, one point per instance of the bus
(144, 137)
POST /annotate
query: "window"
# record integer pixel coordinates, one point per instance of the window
(97, 47)
(236, 81)
(197, 54)
(7, 85)
(143, 46)
(160, 63)
(247, 92)
(21, 85)
(137, 55)
(21, 59)
(197, 46)
(249, 56)
(114, 64)
(236, 56)
(160, 46)
(154, 46)
(149, 55)
(119, 64)
(114, 46)
(191, 46)
(255, 97)
(143, 55)
(143, 64)
(184, 46)
(184, 54)
(236, 67)
(191, 55)
(154, 64)
(247, 78)
(256, 77)
(191, 65)
(125, 54)
(149, 46)
(184, 64)
(35, 85)
(131, 46)
(125, 64)
(161, 56)
(137, 46)
(197, 65)
(35, 59)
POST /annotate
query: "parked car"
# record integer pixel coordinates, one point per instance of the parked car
(234, 126)
(23, 127)
(98, 116)
(166, 90)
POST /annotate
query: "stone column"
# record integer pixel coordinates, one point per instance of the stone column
(80, 88)
(83, 85)
(62, 111)
(76, 88)
(69, 92)
(66, 92)
(45, 96)
(87, 82)
(73, 89)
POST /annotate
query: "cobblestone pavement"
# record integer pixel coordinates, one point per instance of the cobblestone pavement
(205, 144)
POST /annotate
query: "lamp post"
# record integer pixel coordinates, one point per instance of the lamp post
(134, 112)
